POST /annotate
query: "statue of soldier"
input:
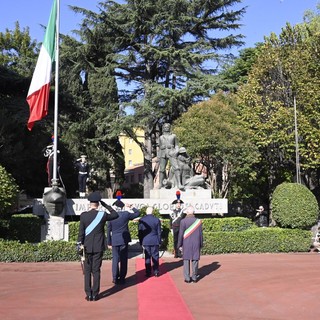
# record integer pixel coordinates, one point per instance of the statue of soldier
(189, 179)
(168, 151)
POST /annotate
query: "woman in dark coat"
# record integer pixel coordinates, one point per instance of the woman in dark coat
(190, 241)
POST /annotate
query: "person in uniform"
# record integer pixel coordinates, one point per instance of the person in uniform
(175, 218)
(82, 166)
(149, 232)
(91, 240)
(262, 217)
(190, 242)
(119, 238)
(48, 152)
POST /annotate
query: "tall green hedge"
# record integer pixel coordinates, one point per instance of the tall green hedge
(8, 191)
(25, 228)
(257, 240)
(294, 206)
(47, 251)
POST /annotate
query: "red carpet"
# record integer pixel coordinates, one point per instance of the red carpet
(158, 298)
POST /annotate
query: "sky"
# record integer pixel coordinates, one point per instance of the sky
(262, 16)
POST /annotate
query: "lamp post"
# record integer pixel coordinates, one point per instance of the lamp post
(296, 141)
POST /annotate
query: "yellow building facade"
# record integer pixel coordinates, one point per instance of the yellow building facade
(133, 157)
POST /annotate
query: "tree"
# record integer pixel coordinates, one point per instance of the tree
(17, 51)
(285, 69)
(235, 72)
(211, 131)
(91, 89)
(20, 150)
(8, 191)
(165, 52)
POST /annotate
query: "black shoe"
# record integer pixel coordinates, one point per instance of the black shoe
(157, 274)
(115, 281)
(194, 281)
(187, 281)
(122, 281)
(95, 298)
(88, 298)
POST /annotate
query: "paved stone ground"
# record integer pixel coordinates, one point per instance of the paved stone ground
(232, 286)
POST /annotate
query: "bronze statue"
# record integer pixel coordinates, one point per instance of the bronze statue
(168, 151)
(189, 179)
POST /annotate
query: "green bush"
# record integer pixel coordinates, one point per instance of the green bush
(210, 225)
(25, 228)
(8, 191)
(4, 228)
(257, 240)
(73, 230)
(294, 206)
(227, 224)
(47, 251)
(225, 235)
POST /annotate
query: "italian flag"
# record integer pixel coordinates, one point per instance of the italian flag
(38, 95)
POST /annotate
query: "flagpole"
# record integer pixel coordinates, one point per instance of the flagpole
(56, 102)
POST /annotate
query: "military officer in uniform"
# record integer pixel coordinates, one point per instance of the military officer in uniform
(119, 237)
(175, 218)
(83, 171)
(92, 240)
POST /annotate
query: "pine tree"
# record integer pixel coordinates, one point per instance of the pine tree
(164, 52)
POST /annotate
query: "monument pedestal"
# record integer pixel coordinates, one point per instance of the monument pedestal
(161, 199)
(54, 204)
(187, 194)
(55, 229)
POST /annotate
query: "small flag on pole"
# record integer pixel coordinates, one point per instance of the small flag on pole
(38, 95)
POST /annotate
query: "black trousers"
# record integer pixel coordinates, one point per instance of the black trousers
(119, 262)
(82, 179)
(175, 233)
(92, 271)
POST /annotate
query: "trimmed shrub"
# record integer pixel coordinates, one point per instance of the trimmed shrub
(255, 240)
(73, 230)
(47, 251)
(8, 191)
(225, 235)
(4, 229)
(227, 224)
(294, 206)
(25, 228)
(209, 225)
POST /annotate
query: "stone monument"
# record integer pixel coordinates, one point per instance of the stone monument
(54, 200)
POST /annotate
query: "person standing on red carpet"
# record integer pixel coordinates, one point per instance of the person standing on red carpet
(119, 237)
(92, 242)
(150, 239)
(190, 243)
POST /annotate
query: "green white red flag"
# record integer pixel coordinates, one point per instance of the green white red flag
(38, 95)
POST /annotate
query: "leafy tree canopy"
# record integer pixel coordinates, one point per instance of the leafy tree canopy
(211, 131)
